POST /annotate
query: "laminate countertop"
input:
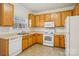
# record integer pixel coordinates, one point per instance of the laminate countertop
(9, 36)
(15, 35)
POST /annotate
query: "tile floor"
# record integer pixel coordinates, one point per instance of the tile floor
(40, 50)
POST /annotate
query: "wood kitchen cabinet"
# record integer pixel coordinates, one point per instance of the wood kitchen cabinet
(39, 38)
(6, 14)
(56, 41)
(47, 17)
(32, 20)
(76, 9)
(4, 45)
(24, 42)
(56, 17)
(59, 41)
(30, 40)
(33, 38)
(62, 41)
(37, 20)
(64, 16)
(42, 19)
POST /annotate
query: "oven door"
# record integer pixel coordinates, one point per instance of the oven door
(48, 40)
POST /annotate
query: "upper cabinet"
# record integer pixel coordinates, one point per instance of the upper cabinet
(32, 20)
(37, 20)
(56, 17)
(47, 17)
(64, 15)
(76, 9)
(6, 14)
(41, 21)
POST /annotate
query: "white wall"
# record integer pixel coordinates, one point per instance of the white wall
(21, 12)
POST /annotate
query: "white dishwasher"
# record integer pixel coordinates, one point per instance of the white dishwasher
(15, 45)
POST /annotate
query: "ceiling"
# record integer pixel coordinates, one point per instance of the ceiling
(40, 7)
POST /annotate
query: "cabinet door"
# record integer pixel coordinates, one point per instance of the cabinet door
(32, 20)
(33, 38)
(8, 14)
(47, 17)
(30, 41)
(4, 47)
(62, 41)
(74, 12)
(24, 42)
(41, 21)
(64, 16)
(37, 20)
(56, 41)
(39, 38)
(56, 17)
(77, 8)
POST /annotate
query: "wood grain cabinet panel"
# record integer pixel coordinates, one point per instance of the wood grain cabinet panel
(77, 9)
(56, 17)
(64, 16)
(4, 46)
(56, 41)
(24, 42)
(62, 41)
(41, 21)
(74, 12)
(39, 38)
(47, 17)
(59, 41)
(33, 38)
(37, 20)
(6, 14)
(32, 20)
(30, 40)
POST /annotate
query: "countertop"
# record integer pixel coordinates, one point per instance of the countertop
(14, 35)
(9, 36)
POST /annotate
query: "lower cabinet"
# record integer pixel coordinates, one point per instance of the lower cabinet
(39, 38)
(30, 40)
(33, 38)
(56, 41)
(62, 41)
(24, 42)
(59, 41)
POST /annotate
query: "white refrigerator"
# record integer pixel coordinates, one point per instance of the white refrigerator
(72, 36)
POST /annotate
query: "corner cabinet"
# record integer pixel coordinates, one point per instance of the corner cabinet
(39, 38)
(6, 14)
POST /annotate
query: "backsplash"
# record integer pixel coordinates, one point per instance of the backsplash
(5, 29)
(60, 30)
